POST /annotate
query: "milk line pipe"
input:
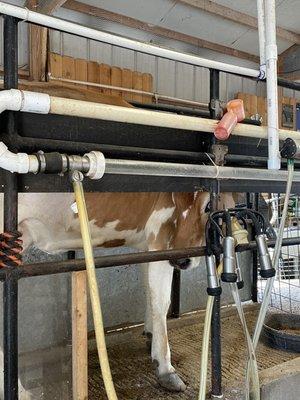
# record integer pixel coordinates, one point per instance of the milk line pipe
(41, 103)
(24, 163)
(66, 26)
(58, 267)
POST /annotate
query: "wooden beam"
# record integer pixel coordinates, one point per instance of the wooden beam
(38, 39)
(156, 30)
(50, 6)
(238, 17)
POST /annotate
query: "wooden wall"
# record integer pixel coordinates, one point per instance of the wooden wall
(90, 71)
(258, 105)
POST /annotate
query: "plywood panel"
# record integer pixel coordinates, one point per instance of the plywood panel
(116, 79)
(147, 85)
(137, 83)
(105, 77)
(68, 67)
(127, 83)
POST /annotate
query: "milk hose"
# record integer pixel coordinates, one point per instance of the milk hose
(275, 260)
(205, 342)
(93, 287)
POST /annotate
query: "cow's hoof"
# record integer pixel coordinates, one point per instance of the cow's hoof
(172, 382)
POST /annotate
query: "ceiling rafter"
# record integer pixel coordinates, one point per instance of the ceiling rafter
(157, 30)
(237, 17)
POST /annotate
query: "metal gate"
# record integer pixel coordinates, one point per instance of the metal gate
(286, 289)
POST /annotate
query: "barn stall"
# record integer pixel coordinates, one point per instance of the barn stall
(45, 337)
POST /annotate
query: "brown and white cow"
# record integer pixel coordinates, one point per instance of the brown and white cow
(147, 221)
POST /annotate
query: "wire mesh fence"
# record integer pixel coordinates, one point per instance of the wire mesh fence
(286, 290)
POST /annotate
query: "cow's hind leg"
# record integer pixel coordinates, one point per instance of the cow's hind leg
(160, 281)
(148, 313)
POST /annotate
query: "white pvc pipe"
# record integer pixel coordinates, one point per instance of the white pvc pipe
(21, 163)
(70, 27)
(272, 92)
(42, 103)
(262, 37)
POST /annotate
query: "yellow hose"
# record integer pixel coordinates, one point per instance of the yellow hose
(93, 289)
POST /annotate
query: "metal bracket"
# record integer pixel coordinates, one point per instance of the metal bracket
(219, 151)
(218, 107)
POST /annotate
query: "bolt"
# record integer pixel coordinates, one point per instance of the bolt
(77, 176)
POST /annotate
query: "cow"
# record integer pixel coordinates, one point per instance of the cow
(145, 221)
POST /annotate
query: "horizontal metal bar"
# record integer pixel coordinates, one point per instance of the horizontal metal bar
(59, 267)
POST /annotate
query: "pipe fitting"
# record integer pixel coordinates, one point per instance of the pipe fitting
(213, 282)
(229, 260)
(266, 267)
(19, 100)
(96, 164)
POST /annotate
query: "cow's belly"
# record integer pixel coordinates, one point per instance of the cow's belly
(48, 222)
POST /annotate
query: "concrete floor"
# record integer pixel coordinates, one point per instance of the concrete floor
(134, 376)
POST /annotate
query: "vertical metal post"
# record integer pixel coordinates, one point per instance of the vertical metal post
(10, 287)
(216, 366)
(175, 296)
(254, 258)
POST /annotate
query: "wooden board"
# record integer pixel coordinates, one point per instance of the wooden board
(137, 83)
(81, 70)
(261, 109)
(68, 67)
(116, 79)
(127, 83)
(79, 336)
(105, 77)
(253, 105)
(93, 75)
(147, 86)
(55, 65)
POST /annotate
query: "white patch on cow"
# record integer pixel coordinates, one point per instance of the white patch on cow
(185, 212)
(157, 219)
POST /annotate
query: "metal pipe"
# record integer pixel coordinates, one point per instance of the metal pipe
(130, 167)
(216, 359)
(156, 96)
(10, 287)
(118, 260)
(62, 25)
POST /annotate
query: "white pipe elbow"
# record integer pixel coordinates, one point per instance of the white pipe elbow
(13, 162)
(19, 100)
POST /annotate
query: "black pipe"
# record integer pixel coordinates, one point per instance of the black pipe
(60, 267)
(288, 84)
(216, 362)
(32, 145)
(196, 112)
(10, 289)
(255, 261)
